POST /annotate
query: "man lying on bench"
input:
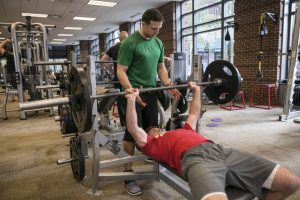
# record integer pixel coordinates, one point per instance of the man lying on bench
(209, 167)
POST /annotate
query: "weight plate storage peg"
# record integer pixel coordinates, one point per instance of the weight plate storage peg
(231, 81)
(78, 162)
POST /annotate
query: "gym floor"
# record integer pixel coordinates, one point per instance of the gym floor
(30, 149)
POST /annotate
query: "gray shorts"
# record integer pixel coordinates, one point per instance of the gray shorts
(209, 168)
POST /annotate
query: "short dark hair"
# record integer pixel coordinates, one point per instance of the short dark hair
(152, 14)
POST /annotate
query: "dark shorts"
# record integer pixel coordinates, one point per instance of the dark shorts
(147, 116)
(11, 79)
(209, 168)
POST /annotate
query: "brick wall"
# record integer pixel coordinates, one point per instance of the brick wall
(168, 31)
(102, 43)
(84, 49)
(247, 41)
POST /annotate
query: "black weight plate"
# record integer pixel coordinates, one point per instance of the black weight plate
(163, 98)
(182, 105)
(63, 83)
(231, 81)
(78, 162)
(80, 101)
(296, 96)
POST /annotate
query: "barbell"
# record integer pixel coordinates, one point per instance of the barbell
(221, 79)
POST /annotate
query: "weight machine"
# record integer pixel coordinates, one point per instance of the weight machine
(29, 45)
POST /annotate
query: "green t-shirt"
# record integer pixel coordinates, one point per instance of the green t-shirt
(142, 57)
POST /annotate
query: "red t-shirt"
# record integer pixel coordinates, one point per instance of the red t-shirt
(170, 147)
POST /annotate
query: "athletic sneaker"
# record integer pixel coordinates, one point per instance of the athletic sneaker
(132, 188)
(149, 160)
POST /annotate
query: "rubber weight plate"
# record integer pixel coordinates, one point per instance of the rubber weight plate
(231, 81)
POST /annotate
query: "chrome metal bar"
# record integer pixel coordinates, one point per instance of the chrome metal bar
(65, 100)
(52, 62)
(43, 103)
(214, 82)
(40, 87)
(65, 161)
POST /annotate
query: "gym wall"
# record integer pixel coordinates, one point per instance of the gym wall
(247, 41)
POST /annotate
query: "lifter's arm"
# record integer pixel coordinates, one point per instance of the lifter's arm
(139, 135)
(195, 107)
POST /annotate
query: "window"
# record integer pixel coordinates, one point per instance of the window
(94, 48)
(135, 26)
(186, 6)
(77, 52)
(112, 38)
(207, 15)
(208, 45)
(203, 29)
(205, 3)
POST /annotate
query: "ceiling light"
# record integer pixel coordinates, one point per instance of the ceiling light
(61, 40)
(84, 18)
(54, 16)
(67, 35)
(2, 38)
(0, 32)
(101, 3)
(34, 15)
(56, 42)
(73, 28)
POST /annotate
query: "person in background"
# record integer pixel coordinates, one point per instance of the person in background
(140, 60)
(6, 51)
(209, 167)
(112, 54)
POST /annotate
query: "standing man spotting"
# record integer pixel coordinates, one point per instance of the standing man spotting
(112, 53)
(141, 58)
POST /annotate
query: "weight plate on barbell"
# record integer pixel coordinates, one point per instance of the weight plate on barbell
(80, 100)
(67, 123)
(163, 97)
(78, 162)
(231, 81)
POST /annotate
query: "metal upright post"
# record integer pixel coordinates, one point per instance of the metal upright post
(18, 64)
(288, 104)
(45, 58)
(198, 73)
(95, 131)
(172, 68)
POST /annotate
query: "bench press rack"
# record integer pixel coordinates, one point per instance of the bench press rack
(160, 171)
(82, 100)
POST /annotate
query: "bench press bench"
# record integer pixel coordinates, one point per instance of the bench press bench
(171, 178)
